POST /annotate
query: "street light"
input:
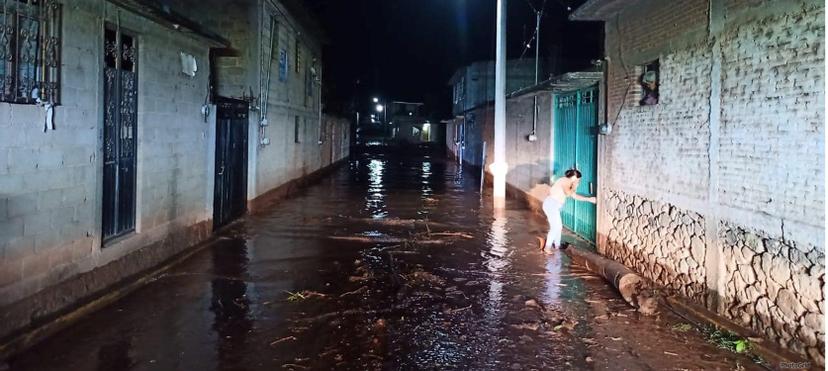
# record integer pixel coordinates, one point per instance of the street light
(380, 108)
(376, 99)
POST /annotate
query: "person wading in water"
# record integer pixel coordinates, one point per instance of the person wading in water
(553, 202)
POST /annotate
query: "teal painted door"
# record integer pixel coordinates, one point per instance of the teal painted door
(576, 146)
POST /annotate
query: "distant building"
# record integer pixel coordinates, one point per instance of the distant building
(409, 124)
(473, 85)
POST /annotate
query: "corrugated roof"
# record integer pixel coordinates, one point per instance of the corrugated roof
(567, 81)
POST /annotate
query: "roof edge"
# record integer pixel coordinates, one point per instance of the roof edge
(158, 13)
(600, 10)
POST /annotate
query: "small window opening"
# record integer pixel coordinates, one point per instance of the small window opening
(649, 81)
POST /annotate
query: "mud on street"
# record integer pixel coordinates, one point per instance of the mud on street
(389, 263)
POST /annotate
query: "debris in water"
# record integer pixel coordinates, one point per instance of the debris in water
(727, 340)
(588, 359)
(670, 353)
(357, 291)
(533, 303)
(304, 294)
(527, 326)
(682, 327)
(453, 234)
(389, 240)
(424, 277)
(282, 340)
(293, 365)
(357, 278)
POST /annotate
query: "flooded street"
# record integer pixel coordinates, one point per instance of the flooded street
(388, 263)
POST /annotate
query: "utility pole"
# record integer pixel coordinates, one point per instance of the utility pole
(499, 165)
(537, 44)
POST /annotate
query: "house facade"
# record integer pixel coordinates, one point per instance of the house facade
(472, 89)
(131, 130)
(713, 175)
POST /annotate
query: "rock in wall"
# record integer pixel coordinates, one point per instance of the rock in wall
(660, 241)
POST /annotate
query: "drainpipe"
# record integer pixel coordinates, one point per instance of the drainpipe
(316, 76)
(533, 137)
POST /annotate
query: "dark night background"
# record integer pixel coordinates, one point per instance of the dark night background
(408, 49)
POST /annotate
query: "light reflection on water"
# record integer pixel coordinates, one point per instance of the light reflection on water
(375, 200)
(426, 179)
(552, 289)
(497, 262)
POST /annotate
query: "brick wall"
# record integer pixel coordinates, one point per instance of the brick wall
(663, 148)
(772, 112)
(748, 175)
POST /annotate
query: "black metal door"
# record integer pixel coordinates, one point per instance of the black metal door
(230, 198)
(120, 119)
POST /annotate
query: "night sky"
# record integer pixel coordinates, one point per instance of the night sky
(408, 49)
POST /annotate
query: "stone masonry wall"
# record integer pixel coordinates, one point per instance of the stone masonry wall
(661, 241)
(776, 287)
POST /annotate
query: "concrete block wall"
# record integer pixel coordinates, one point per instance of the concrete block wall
(336, 139)
(529, 162)
(247, 25)
(51, 182)
(731, 159)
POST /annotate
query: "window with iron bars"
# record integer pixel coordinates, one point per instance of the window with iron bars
(30, 43)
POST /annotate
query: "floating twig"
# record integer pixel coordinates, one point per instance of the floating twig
(357, 291)
(282, 340)
(453, 311)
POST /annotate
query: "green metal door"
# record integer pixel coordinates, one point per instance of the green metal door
(576, 146)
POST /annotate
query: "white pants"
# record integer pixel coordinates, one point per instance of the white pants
(552, 209)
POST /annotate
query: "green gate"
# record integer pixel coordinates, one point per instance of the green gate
(576, 146)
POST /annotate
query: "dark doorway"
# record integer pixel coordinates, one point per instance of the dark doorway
(230, 197)
(119, 134)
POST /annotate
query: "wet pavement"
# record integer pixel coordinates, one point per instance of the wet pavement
(389, 263)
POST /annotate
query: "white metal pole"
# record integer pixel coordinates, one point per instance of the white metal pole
(499, 165)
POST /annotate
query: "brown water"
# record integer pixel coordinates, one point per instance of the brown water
(349, 275)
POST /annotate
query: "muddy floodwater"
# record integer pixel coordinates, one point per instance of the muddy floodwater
(388, 263)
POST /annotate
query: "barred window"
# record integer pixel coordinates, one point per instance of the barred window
(30, 44)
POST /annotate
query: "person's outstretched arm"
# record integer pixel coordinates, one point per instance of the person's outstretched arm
(578, 197)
